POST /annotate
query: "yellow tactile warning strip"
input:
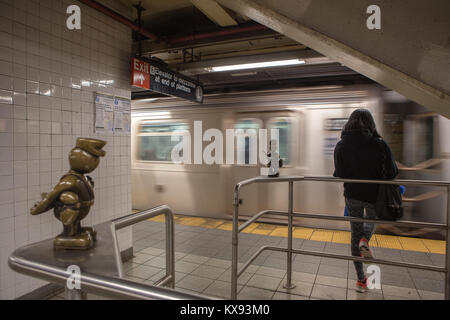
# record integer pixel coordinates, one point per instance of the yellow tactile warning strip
(378, 240)
(322, 235)
(386, 241)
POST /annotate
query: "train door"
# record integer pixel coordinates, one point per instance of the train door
(322, 133)
(422, 161)
(153, 172)
(246, 166)
(415, 144)
(276, 194)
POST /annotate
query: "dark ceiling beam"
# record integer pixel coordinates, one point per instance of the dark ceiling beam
(217, 34)
(238, 34)
(118, 17)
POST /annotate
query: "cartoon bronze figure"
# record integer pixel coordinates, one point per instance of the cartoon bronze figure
(72, 198)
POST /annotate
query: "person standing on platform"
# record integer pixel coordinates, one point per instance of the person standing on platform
(362, 154)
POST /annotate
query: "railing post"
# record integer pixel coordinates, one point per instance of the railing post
(234, 257)
(289, 284)
(447, 249)
(170, 247)
(131, 219)
(117, 250)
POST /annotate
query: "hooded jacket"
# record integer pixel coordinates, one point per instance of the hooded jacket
(359, 155)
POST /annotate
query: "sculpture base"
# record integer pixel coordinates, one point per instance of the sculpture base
(83, 241)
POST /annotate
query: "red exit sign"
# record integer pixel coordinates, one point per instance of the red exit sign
(155, 76)
(140, 73)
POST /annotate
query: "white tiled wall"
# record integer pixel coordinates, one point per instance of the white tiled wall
(48, 76)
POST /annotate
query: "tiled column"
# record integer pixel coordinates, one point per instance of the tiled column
(48, 77)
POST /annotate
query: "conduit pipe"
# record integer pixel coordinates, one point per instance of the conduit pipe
(110, 13)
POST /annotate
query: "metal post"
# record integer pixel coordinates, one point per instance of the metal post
(170, 248)
(74, 294)
(117, 255)
(289, 284)
(131, 219)
(234, 257)
(447, 251)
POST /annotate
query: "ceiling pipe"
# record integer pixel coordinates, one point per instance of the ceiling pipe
(221, 33)
(195, 37)
(105, 10)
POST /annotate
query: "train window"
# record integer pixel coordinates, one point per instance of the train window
(155, 140)
(246, 124)
(411, 138)
(393, 134)
(284, 133)
(426, 127)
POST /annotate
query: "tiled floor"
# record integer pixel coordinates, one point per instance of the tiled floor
(203, 265)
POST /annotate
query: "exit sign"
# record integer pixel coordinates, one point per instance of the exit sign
(148, 74)
(140, 74)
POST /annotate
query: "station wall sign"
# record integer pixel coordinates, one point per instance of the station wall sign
(150, 75)
(112, 114)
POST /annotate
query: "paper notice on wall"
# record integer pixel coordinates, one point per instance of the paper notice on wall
(122, 118)
(104, 113)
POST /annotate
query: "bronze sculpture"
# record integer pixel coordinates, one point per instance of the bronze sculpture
(72, 198)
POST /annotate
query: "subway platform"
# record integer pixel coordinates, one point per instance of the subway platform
(203, 262)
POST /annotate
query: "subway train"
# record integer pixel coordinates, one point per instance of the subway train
(309, 122)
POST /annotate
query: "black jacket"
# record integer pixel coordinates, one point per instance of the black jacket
(359, 155)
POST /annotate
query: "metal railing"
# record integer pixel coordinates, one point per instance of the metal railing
(235, 273)
(134, 218)
(41, 261)
(98, 284)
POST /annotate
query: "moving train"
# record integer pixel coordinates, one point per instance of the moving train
(309, 122)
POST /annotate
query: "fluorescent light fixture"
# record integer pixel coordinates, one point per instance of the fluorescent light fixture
(243, 74)
(147, 100)
(257, 65)
(152, 115)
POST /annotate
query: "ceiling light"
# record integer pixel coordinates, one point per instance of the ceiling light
(147, 100)
(242, 74)
(257, 65)
(155, 115)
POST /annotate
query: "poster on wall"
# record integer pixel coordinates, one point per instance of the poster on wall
(104, 113)
(122, 115)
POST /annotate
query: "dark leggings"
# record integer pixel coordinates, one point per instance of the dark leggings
(360, 230)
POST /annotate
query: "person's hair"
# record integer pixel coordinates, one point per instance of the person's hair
(361, 119)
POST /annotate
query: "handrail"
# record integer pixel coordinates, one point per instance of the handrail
(328, 178)
(100, 266)
(101, 285)
(235, 273)
(133, 218)
(411, 224)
